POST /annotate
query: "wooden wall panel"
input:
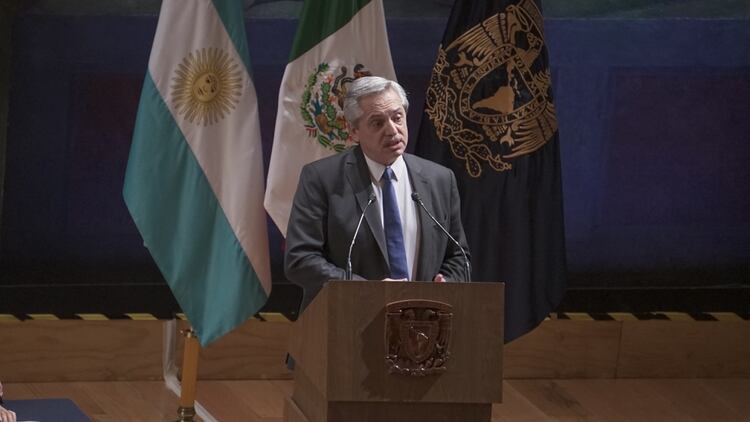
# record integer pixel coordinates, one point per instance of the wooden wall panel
(255, 350)
(565, 349)
(75, 350)
(676, 349)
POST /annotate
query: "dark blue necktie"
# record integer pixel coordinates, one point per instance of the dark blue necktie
(394, 236)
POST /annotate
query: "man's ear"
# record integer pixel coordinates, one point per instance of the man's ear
(354, 131)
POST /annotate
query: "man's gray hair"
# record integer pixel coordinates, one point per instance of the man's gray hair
(368, 85)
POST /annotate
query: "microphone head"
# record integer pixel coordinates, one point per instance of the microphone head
(372, 197)
(415, 196)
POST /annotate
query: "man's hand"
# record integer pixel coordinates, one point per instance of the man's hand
(7, 415)
(438, 279)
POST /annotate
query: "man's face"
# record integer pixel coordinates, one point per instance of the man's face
(381, 130)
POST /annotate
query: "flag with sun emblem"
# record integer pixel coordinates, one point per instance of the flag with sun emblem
(489, 116)
(194, 181)
(337, 41)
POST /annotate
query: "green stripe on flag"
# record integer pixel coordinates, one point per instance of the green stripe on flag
(184, 227)
(321, 18)
(232, 16)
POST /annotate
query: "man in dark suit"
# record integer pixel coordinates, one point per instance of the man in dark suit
(398, 240)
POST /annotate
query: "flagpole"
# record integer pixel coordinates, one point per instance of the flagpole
(186, 411)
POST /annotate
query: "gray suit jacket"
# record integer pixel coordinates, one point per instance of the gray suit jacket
(330, 197)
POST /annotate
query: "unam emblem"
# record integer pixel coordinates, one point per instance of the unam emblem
(417, 337)
(489, 95)
(322, 106)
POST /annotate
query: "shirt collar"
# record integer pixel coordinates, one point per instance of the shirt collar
(377, 169)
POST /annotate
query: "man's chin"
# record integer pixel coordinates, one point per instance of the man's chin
(396, 149)
(395, 154)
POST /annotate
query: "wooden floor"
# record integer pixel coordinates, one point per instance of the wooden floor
(660, 400)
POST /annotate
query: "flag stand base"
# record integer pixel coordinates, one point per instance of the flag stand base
(186, 414)
(189, 379)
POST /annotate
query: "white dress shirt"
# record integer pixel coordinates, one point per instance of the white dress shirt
(406, 206)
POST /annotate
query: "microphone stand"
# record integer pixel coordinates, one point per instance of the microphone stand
(354, 238)
(467, 265)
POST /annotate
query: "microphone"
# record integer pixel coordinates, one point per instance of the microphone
(354, 238)
(467, 265)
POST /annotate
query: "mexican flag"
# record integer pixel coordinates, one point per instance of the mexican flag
(337, 41)
(194, 181)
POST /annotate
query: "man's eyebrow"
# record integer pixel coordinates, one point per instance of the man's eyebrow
(384, 113)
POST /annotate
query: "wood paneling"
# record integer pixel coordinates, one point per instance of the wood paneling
(565, 349)
(311, 356)
(75, 350)
(408, 412)
(621, 401)
(695, 400)
(551, 399)
(356, 343)
(292, 413)
(732, 393)
(255, 350)
(669, 349)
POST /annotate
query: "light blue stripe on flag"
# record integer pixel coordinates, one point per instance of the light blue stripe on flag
(234, 22)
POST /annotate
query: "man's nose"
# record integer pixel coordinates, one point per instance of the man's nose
(391, 127)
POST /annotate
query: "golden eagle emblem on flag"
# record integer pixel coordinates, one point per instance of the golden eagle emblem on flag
(322, 105)
(489, 96)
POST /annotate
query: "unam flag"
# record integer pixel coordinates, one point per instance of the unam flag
(489, 116)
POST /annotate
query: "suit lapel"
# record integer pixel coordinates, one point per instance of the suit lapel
(359, 177)
(420, 184)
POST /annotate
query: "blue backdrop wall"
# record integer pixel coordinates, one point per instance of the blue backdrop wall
(654, 130)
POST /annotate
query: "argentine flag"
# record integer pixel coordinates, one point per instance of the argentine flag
(194, 181)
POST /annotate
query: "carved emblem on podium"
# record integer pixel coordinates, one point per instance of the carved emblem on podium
(417, 337)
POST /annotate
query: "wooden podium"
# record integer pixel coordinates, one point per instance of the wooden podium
(398, 351)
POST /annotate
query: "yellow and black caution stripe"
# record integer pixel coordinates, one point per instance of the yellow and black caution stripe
(272, 317)
(8, 318)
(646, 316)
(135, 316)
(279, 317)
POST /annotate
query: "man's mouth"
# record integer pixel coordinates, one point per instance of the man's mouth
(392, 143)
